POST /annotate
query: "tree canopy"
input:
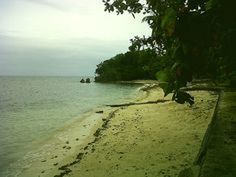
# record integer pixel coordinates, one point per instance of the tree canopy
(131, 66)
(199, 36)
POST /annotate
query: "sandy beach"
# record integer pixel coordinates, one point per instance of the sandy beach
(149, 139)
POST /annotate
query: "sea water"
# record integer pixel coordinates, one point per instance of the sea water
(33, 107)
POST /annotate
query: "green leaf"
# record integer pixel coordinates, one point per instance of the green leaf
(175, 65)
(168, 21)
(148, 19)
(166, 87)
(163, 76)
(211, 4)
(165, 81)
(133, 15)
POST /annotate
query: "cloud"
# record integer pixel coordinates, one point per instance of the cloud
(77, 34)
(24, 56)
(47, 3)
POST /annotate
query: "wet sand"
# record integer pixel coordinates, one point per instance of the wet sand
(139, 140)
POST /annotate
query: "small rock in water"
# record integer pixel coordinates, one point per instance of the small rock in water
(55, 164)
(43, 160)
(67, 142)
(87, 80)
(77, 139)
(82, 81)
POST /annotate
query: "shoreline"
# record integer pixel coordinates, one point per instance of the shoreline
(59, 146)
(88, 122)
(112, 125)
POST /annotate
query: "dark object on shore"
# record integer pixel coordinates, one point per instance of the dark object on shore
(87, 80)
(131, 104)
(82, 81)
(99, 112)
(182, 97)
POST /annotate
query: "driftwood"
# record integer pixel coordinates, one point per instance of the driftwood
(194, 88)
(131, 104)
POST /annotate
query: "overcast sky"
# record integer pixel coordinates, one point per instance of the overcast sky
(61, 37)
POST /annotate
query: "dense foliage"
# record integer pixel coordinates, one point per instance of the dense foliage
(199, 36)
(131, 66)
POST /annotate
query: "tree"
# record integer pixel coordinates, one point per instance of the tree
(130, 66)
(199, 36)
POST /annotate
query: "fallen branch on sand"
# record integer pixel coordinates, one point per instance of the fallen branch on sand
(131, 104)
(200, 88)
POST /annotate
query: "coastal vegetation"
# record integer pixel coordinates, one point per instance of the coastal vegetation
(190, 39)
(131, 65)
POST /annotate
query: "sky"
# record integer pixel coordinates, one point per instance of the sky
(61, 37)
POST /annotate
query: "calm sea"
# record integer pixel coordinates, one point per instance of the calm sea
(32, 107)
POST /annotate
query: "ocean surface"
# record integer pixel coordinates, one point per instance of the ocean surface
(33, 107)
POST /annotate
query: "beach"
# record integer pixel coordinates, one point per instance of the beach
(147, 139)
(35, 110)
